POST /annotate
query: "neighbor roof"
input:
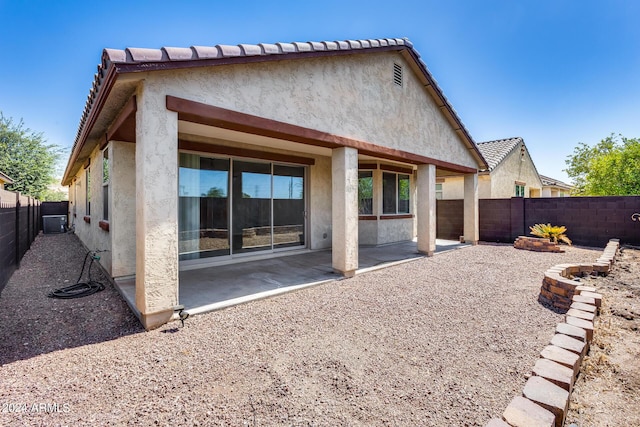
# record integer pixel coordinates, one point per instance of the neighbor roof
(5, 178)
(494, 152)
(131, 60)
(552, 182)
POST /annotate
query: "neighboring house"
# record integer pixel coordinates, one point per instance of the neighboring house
(187, 157)
(4, 180)
(511, 173)
(554, 188)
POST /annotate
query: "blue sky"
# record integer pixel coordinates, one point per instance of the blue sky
(556, 72)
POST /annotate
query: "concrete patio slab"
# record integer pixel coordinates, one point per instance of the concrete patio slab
(212, 288)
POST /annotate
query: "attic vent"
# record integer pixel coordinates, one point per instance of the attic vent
(397, 74)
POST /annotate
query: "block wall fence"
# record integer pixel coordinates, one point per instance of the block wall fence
(19, 226)
(590, 221)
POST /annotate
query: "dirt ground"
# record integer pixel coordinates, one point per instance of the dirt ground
(442, 341)
(607, 392)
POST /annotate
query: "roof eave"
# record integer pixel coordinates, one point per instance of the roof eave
(115, 63)
(6, 178)
(89, 120)
(443, 103)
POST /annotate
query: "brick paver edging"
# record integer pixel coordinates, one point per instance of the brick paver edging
(545, 396)
(558, 287)
(536, 244)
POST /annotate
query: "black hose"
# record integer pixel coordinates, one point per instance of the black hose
(80, 289)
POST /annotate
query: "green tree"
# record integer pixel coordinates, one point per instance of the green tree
(26, 158)
(609, 168)
(214, 192)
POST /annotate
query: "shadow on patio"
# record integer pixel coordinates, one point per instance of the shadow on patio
(213, 288)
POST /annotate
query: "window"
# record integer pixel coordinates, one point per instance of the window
(365, 193)
(519, 190)
(439, 191)
(395, 193)
(75, 197)
(88, 192)
(105, 184)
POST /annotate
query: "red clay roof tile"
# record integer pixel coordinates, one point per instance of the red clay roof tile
(178, 53)
(138, 54)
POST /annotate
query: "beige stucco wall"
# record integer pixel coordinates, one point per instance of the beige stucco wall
(93, 237)
(78, 209)
(157, 205)
(380, 232)
(484, 186)
(500, 184)
(513, 169)
(453, 187)
(352, 96)
(395, 230)
(320, 232)
(122, 208)
(102, 238)
(555, 192)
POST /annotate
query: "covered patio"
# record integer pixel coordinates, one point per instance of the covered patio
(211, 157)
(213, 288)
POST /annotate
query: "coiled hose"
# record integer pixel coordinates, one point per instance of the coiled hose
(80, 289)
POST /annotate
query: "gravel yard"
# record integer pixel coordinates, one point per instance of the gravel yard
(439, 341)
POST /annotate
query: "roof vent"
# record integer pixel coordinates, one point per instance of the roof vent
(397, 74)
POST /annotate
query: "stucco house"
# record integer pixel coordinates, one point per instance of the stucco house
(4, 180)
(187, 157)
(511, 173)
(554, 188)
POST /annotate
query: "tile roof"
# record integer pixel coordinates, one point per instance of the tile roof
(496, 151)
(131, 59)
(194, 53)
(5, 178)
(547, 181)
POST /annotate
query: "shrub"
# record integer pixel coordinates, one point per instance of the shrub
(552, 232)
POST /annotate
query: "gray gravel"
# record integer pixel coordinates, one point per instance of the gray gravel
(446, 340)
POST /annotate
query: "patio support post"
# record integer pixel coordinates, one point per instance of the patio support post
(471, 217)
(426, 215)
(344, 210)
(156, 160)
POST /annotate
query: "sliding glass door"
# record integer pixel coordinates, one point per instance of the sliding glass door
(263, 204)
(288, 206)
(251, 207)
(203, 221)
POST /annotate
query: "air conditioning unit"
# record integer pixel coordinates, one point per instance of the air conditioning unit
(54, 224)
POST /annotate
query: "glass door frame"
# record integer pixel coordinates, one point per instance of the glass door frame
(224, 259)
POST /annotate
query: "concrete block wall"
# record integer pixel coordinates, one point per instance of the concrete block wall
(503, 220)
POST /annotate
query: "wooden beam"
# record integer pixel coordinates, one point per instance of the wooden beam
(210, 115)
